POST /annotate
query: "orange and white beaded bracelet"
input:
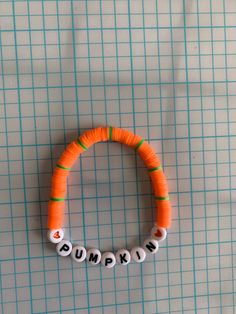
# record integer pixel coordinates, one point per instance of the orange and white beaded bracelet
(58, 192)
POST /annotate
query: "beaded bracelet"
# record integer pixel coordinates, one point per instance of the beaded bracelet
(58, 192)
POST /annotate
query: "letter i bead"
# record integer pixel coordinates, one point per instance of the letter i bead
(138, 254)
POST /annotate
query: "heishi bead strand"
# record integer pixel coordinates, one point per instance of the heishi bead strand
(58, 192)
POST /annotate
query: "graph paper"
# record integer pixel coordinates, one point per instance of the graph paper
(165, 70)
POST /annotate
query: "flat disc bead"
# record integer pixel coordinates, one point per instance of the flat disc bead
(158, 233)
(78, 253)
(64, 248)
(55, 235)
(94, 256)
(108, 259)
(138, 254)
(123, 257)
(151, 245)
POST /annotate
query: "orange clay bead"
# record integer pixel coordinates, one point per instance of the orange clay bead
(87, 139)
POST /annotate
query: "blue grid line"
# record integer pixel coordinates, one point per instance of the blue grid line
(63, 113)
(148, 136)
(21, 141)
(175, 122)
(217, 184)
(10, 197)
(230, 151)
(108, 151)
(199, 60)
(161, 123)
(189, 143)
(40, 207)
(49, 123)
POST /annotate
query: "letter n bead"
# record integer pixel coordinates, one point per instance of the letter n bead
(151, 246)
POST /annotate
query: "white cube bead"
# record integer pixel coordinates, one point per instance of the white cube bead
(108, 259)
(138, 254)
(55, 235)
(94, 256)
(151, 245)
(64, 248)
(78, 253)
(158, 233)
(123, 257)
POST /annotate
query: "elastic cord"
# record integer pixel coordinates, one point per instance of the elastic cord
(87, 139)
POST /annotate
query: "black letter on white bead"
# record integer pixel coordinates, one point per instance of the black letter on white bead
(79, 253)
(64, 248)
(123, 257)
(151, 246)
(108, 259)
(138, 254)
(94, 256)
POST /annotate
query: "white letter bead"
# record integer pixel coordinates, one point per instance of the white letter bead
(108, 259)
(78, 253)
(151, 245)
(64, 248)
(94, 256)
(55, 235)
(138, 254)
(158, 233)
(123, 257)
